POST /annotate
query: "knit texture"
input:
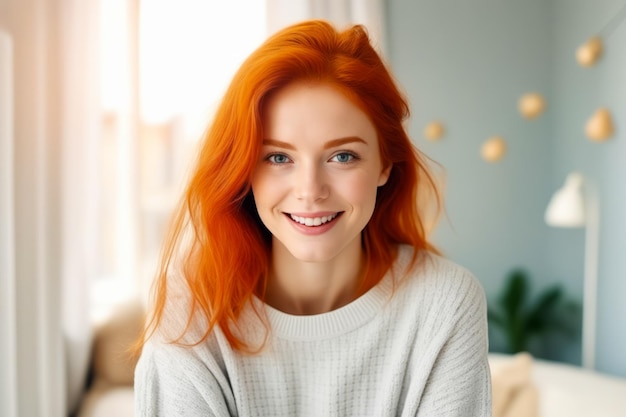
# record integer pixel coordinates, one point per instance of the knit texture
(414, 345)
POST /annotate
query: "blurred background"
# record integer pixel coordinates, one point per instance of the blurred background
(102, 104)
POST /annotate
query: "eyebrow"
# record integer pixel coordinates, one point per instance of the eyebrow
(330, 144)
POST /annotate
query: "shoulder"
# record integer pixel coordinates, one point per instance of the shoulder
(431, 270)
(180, 355)
(158, 356)
(167, 373)
(445, 305)
(170, 364)
(438, 281)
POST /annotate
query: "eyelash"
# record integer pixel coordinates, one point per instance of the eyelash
(271, 158)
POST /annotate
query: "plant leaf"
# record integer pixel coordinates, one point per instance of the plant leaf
(514, 295)
(542, 312)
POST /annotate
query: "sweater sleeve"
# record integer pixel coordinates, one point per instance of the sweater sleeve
(172, 381)
(459, 384)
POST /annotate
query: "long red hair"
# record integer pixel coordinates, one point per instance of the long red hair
(225, 247)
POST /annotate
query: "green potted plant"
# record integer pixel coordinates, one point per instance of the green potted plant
(520, 319)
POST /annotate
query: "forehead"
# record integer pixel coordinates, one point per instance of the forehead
(317, 109)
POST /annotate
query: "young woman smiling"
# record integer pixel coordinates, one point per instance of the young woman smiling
(297, 278)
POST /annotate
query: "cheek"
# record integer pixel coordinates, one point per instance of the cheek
(265, 191)
(359, 189)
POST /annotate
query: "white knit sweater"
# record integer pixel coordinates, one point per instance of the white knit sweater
(413, 346)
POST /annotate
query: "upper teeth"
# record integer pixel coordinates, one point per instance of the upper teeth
(313, 221)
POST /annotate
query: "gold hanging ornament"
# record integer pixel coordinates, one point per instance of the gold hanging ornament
(493, 149)
(589, 52)
(599, 127)
(434, 131)
(531, 105)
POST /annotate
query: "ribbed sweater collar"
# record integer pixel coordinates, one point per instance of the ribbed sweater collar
(331, 324)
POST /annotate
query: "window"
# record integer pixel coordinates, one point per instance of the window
(164, 67)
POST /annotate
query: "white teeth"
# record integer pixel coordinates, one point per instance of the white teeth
(313, 221)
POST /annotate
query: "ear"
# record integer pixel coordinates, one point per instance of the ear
(384, 175)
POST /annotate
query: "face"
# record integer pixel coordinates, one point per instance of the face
(317, 176)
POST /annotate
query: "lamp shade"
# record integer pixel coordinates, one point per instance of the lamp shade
(567, 206)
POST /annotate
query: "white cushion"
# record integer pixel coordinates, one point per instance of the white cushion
(571, 391)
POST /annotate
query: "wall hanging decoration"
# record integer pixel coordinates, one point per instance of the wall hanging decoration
(531, 105)
(493, 149)
(599, 127)
(589, 52)
(434, 131)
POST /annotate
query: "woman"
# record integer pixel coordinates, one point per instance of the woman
(298, 279)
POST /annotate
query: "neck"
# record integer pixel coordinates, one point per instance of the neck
(306, 288)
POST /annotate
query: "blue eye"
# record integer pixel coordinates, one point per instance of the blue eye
(278, 159)
(344, 157)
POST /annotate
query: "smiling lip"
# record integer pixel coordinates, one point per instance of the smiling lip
(314, 223)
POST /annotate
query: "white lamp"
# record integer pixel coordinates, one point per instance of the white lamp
(576, 205)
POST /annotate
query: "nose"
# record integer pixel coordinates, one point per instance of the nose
(311, 183)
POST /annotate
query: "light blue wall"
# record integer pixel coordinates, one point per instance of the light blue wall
(467, 63)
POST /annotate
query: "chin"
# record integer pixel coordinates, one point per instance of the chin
(320, 249)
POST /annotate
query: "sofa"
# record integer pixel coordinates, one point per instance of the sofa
(522, 386)
(110, 388)
(527, 387)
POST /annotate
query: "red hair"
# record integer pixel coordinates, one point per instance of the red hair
(227, 261)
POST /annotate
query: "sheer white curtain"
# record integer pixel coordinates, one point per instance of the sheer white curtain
(81, 132)
(31, 315)
(370, 13)
(48, 122)
(8, 378)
